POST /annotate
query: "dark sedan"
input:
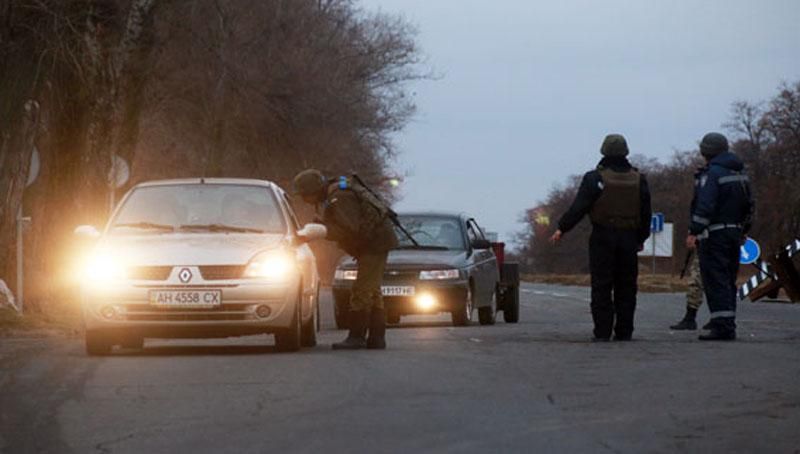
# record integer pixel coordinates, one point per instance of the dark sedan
(452, 269)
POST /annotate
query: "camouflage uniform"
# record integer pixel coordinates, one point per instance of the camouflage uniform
(694, 295)
(359, 223)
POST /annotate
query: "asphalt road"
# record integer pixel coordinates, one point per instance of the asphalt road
(538, 386)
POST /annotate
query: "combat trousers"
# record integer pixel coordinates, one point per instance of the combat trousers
(366, 293)
(694, 295)
(614, 266)
(719, 266)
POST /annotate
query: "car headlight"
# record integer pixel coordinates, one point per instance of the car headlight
(102, 268)
(345, 275)
(276, 265)
(438, 275)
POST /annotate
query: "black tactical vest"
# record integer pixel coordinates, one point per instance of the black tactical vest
(619, 204)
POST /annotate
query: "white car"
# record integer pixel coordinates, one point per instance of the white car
(201, 258)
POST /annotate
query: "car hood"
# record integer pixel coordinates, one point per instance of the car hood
(188, 248)
(415, 258)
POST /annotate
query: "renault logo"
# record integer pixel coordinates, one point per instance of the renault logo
(185, 275)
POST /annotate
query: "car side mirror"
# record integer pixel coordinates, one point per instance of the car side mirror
(88, 232)
(481, 244)
(312, 232)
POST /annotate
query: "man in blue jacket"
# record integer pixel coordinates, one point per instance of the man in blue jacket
(721, 216)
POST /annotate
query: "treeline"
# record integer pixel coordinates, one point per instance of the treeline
(765, 135)
(252, 88)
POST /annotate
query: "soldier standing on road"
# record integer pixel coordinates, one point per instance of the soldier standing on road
(694, 298)
(722, 210)
(358, 222)
(617, 199)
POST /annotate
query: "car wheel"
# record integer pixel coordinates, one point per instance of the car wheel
(462, 315)
(309, 330)
(98, 343)
(289, 340)
(487, 314)
(511, 305)
(134, 341)
(340, 313)
(392, 318)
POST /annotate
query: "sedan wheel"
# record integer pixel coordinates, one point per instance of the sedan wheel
(462, 315)
(488, 314)
(289, 340)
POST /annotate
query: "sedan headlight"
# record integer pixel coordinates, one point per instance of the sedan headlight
(274, 265)
(438, 275)
(102, 268)
(345, 275)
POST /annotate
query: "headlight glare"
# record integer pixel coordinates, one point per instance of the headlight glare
(271, 265)
(102, 268)
(438, 275)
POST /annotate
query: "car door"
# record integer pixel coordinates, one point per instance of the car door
(485, 265)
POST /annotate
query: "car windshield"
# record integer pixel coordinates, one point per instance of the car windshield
(432, 231)
(200, 208)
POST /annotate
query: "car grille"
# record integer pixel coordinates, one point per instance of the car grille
(400, 275)
(221, 272)
(147, 313)
(150, 273)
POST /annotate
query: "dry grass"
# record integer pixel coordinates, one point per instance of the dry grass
(61, 320)
(648, 283)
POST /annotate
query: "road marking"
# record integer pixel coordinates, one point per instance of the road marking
(476, 340)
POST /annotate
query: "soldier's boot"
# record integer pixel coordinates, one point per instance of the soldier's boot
(377, 330)
(707, 326)
(718, 335)
(356, 337)
(688, 322)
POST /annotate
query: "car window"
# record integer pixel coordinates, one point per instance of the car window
(290, 210)
(439, 231)
(200, 207)
(473, 231)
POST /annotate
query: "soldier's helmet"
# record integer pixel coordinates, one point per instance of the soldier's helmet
(308, 183)
(713, 144)
(614, 145)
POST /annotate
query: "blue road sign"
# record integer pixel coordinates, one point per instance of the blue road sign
(750, 252)
(657, 223)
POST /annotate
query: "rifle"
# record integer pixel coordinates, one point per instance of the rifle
(391, 214)
(687, 262)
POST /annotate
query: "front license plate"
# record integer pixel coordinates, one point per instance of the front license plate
(405, 290)
(186, 298)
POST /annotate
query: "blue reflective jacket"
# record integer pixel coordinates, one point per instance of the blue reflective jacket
(721, 195)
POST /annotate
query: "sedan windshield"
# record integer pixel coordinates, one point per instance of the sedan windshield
(431, 232)
(200, 208)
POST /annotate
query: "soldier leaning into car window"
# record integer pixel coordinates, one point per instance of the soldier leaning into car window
(358, 223)
(721, 216)
(617, 199)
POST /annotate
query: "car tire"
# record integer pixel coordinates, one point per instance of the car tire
(98, 343)
(392, 318)
(133, 341)
(290, 339)
(488, 314)
(511, 305)
(462, 315)
(309, 329)
(340, 313)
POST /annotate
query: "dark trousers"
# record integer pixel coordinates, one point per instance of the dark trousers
(615, 268)
(719, 265)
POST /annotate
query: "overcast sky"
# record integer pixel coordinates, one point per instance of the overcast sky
(530, 88)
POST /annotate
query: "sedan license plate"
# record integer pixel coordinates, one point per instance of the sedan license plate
(396, 290)
(186, 298)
